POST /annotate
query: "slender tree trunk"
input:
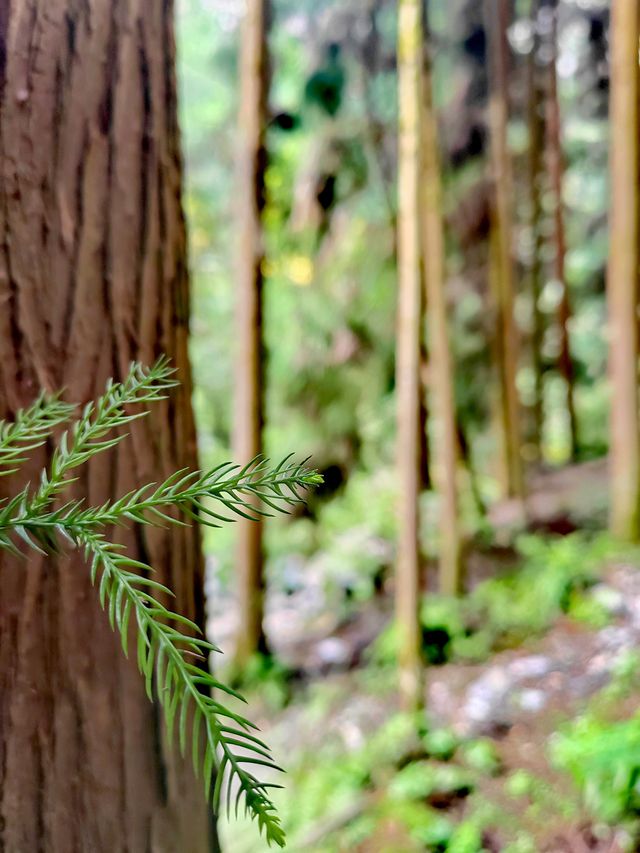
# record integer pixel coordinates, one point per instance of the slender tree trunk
(250, 359)
(408, 353)
(502, 263)
(536, 149)
(92, 275)
(445, 457)
(556, 172)
(423, 424)
(623, 271)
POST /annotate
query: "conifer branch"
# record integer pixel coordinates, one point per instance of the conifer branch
(172, 655)
(31, 428)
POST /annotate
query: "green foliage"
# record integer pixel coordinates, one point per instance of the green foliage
(171, 655)
(440, 744)
(30, 430)
(482, 756)
(603, 759)
(424, 779)
(553, 576)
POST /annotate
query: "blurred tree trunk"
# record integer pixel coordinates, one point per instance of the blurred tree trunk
(425, 450)
(623, 272)
(506, 344)
(536, 167)
(93, 274)
(249, 379)
(443, 409)
(408, 353)
(556, 172)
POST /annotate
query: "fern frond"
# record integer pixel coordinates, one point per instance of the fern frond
(167, 643)
(30, 429)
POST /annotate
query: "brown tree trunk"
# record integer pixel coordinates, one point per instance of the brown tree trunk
(408, 354)
(556, 172)
(622, 282)
(536, 150)
(249, 371)
(92, 275)
(443, 409)
(496, 13)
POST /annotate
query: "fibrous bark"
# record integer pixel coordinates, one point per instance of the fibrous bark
(92, 275)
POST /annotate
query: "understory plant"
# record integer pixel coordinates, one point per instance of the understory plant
(170, 648)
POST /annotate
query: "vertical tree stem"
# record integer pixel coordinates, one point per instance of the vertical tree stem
(496, 12)
(556, 170)
(445, 457)
(622, 283)
(408, 353)
(249, 378)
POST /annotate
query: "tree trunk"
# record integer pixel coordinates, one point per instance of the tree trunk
(408, 353)
(623, 272)
(250, 362)
(443, 408)
(536, 150)
(496, 12)
(92, 275)
(556, 172)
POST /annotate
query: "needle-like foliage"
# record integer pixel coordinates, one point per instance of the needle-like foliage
(30, 430)
(172, 655)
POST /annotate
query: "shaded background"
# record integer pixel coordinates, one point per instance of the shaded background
(505, 761)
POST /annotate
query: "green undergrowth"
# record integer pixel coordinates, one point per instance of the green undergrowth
(600, 750)
(555, 577)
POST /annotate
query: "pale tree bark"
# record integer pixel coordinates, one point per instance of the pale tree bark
(92, 275)
(506, 343)
(622, 282)
(556, 173)
(443, 407)
(249, 379)
(408, 353)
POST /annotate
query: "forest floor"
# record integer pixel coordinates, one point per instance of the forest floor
(515, 701)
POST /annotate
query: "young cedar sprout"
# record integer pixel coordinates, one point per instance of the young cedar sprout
(169, 646)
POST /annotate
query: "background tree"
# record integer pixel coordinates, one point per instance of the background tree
(408, 351)
(622, 284)
(501, 261)
(556, 174)
(92, 275)
(249, 386)
(536, 128)
(445, 455)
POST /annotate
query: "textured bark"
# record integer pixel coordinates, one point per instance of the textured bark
(556, 173)
(622, 282)
(536, 149)
(496, 12)
(250, 362)
(92, 275)
(408, 353)
(443, 408)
